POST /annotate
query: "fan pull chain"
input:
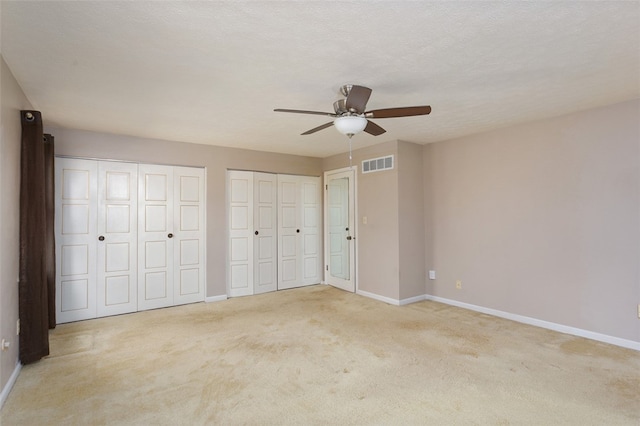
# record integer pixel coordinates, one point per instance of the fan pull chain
(350, 156)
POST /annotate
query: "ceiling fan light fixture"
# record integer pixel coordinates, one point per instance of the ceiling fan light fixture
(350, 124)
(351, 115)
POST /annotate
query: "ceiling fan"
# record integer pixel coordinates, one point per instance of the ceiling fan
(350, 116)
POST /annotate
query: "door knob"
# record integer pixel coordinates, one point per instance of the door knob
(101, 237)
(349, 237)
(297, 230)
(170, 235)
(346, 229)
(256, 232)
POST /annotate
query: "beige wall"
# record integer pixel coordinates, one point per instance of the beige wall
(390, 250)
(411, 220)
(541, 220)
(377, 241)
(217, 160)
(13, 100)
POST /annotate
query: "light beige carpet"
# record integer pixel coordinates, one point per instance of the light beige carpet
(318, 355)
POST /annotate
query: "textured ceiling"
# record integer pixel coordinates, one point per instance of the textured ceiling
(212, 72)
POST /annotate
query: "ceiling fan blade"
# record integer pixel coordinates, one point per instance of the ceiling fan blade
(299, 111)
(373, 129)
(317, 129)
(358, 98)
(398, 112)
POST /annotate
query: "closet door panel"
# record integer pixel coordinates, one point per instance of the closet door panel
(117, 273)
(189, 220)
(300, 248)
(252, 209)
(265, 256)
(289, 200)
(155, 236)
(76, 237)
(311, 216)
(240, 272)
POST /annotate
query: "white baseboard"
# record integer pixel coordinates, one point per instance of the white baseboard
(630, 344)
(413, 299)
(7, 388)
(220, 298)
(391, 301)
(378, 297)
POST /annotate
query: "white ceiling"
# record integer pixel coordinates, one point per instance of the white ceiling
(212, 72)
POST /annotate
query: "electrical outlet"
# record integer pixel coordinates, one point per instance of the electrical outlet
(458, 284)
(638, 310)
(432, 275)
(18, 327)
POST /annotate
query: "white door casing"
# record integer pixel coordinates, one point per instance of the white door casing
(340, 229)
(117, 238)
(188, 238)
(76, 235)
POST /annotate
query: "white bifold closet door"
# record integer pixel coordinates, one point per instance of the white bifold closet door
(189, 235)
(252, 209)
(117, 238)
(129, 237)
(170, 236)
(76, 190)
(299, 239)
(96, 240)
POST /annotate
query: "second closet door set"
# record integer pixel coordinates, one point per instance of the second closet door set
(274, 232)
(129, 237)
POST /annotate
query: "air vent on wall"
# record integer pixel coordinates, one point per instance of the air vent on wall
(377, 164)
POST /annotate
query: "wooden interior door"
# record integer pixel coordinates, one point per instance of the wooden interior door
(117, 245)
(155, 236)
(188, 226)
(76, 236)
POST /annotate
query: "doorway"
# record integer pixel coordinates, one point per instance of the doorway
(340, 231)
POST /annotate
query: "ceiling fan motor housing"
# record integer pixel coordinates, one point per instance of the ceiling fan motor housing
(345, 89)
(340, 106)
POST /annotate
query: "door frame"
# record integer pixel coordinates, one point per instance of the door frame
(354, 273)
